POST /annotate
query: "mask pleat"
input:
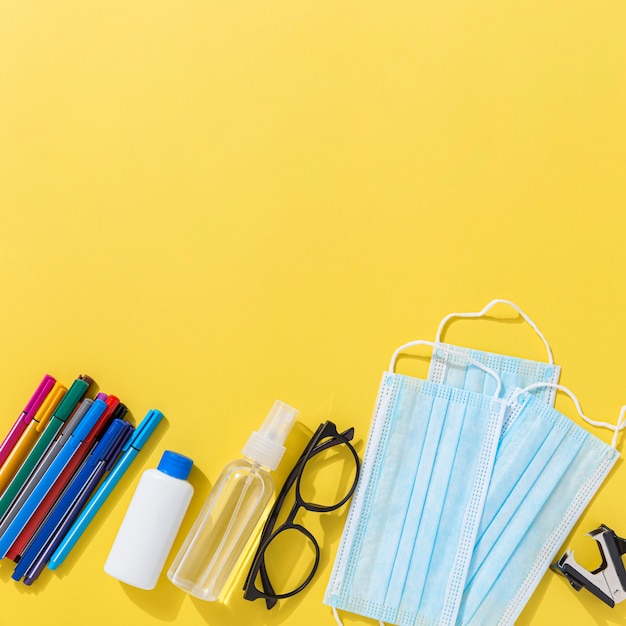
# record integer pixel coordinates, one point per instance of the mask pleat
(522, 456)
(477, 380)
(523, 505)
(439, 555)
(524, 527)
(455, 371)
(458, 493)
(538, 548)
(451, 369)
(424, 512)
(510, 539)
(402, 454)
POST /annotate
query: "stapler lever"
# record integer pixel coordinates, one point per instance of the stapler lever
(607, 582)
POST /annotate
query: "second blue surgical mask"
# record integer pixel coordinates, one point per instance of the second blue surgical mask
(449, 367)
(547, 469)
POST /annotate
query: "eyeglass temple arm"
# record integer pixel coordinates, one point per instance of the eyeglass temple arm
(346, 434)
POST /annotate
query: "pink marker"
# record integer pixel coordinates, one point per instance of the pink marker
(25, 417)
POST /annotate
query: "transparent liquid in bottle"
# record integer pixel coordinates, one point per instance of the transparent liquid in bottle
(214, 545)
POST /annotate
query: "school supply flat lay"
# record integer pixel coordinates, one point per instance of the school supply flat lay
(470, 483)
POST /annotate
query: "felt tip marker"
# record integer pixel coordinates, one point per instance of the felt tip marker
(44, 463)
(29, 436)
(130, 450)
(68, 506)
(25, 417)
(57, 420)
(46, 482)
(113, 408)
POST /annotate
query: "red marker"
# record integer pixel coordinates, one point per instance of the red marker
(40, 513)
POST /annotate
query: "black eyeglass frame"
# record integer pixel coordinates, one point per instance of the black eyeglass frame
(326, 431)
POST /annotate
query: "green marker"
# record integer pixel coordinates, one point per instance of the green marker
(57, 419)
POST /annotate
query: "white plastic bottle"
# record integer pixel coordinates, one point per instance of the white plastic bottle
(152, 520)
(219, 535)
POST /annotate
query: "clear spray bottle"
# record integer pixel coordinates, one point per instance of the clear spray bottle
(221, 532)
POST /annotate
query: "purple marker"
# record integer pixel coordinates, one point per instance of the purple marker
(25, 417)
(67, 508)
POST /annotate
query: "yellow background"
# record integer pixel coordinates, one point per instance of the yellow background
(209, 205)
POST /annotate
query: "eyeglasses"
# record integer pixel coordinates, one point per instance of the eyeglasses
(324, 438)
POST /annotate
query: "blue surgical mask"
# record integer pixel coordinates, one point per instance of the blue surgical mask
(451, 369)
(547, 469)
(412, 525)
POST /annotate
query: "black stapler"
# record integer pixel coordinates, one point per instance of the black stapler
(608, 581)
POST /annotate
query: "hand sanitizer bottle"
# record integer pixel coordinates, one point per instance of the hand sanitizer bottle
(219, 535)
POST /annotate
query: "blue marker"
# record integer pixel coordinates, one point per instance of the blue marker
(59, 533)
(129, 452)
(43, 464)
(67, 508)
(50, 476)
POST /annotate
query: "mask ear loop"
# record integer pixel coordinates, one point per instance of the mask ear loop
(340, 623)
(621, 424)
(477, 314)
(616, 428)
(467, 357)
(336, 616)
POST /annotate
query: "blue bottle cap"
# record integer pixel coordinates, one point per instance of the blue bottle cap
(175, 465)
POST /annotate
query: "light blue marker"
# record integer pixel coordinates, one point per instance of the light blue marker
(68, 507)
(129, 452)
(50, 476)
